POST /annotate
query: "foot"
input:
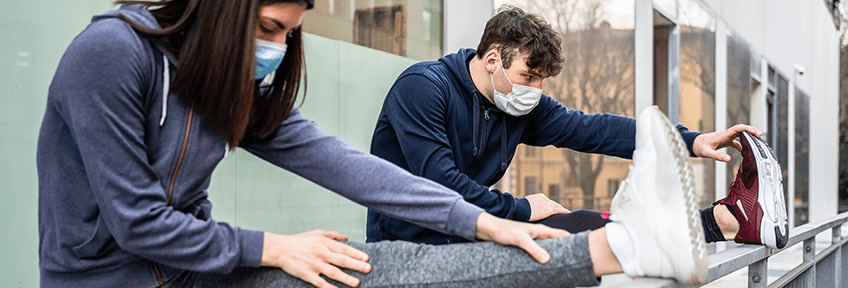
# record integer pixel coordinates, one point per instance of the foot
(657, 207)
(756, 196)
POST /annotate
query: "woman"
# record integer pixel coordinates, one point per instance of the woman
(149, 98)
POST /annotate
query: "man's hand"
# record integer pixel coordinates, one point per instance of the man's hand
(705, 145)
(308, 255)
(521, 235)
(542, 207)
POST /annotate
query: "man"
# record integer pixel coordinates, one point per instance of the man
(458, 121)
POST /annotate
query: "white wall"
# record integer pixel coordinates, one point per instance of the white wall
(464, 22)
(798, 32)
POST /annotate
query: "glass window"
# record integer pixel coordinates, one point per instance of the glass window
(530, 185)
(697, 86)
(755, 65)
(530, 151)
(739, 91)
(612, 186)
(597, 78)
(802, 158)
(668, 7)
(409, 28)
(553, 192)
(778, 113)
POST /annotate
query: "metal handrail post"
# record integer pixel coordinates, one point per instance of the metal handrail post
(758, 274)
(837, 269)
(810, 257)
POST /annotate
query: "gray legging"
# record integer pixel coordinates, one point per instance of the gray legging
(406, 264)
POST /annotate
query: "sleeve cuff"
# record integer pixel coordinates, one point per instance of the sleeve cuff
(688, 137)
(522, 210)
(251, 242)
(462, 220)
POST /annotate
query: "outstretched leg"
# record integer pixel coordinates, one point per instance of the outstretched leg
(755, 198)
(577, 221)
(479, 264)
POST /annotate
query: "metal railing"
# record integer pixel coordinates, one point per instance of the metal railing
(822, 269)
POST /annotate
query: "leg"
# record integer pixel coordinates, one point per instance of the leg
(719, 223)
(756, 196)
(603, 260)
(656, 228)
(406, 264)
(577, 221)
(726, 222)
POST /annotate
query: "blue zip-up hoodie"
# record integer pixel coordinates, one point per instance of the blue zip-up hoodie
(124, 167)
(436, 124)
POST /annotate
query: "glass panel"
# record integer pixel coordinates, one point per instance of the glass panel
(661, 64)
(668, 7)
(739, 89)
(697, 86)
(780, 134)
(598, 78)
(35, 35)
(756, 70)
(802, 158)
(409, 28)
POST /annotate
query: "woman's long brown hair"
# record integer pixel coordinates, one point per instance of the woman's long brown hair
(214, 44)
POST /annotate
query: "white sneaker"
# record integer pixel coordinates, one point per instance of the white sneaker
(656, 206)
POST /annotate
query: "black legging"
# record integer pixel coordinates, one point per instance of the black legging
(576, 221)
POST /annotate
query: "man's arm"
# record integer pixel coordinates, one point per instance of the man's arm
(609, 134)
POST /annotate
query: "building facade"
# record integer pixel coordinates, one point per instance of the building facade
(707, 63)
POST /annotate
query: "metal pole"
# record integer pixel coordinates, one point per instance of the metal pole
(837, 269)
(758, 274)
(810, 256)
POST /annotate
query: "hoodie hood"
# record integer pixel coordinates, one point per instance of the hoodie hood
(457, 63)
(140, 15)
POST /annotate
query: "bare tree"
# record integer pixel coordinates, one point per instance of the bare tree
(597, 76)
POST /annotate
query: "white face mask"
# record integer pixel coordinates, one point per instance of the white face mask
(520, 101)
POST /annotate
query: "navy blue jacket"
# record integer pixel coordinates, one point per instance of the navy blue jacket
(436, 124)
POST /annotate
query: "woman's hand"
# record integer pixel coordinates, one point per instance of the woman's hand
(310, 254)
(521, 235)
(706, 145)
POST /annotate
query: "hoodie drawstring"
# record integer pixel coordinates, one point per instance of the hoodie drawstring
(166, 80)
(166, 88)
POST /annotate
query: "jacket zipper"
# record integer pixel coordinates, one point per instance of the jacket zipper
(479, 156)
(174, 179)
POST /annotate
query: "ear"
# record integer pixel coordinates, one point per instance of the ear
(491, 60)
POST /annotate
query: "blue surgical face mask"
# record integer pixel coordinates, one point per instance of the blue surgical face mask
(269, 55)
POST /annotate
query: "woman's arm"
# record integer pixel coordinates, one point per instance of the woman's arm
(299, 146)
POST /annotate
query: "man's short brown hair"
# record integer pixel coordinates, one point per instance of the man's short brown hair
(512, 30)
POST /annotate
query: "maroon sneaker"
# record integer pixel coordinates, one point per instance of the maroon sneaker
(756, 196)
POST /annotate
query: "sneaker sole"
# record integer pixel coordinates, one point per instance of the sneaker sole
(696, 247)
(774, 227)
